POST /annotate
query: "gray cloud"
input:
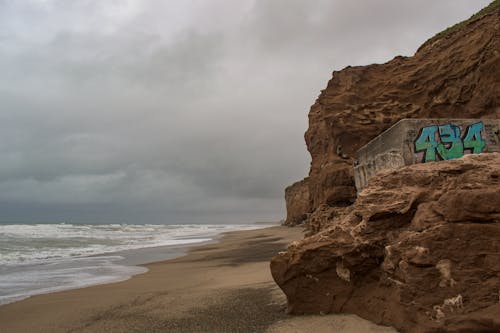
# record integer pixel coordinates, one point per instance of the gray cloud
(176, 111)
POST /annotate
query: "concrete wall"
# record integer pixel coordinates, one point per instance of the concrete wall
(411, 141)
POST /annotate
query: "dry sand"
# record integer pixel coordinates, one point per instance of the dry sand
(218, 287)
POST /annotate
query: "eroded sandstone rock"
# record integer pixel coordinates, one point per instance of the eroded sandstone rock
(298, 203)
(419, 250)
(453, 77)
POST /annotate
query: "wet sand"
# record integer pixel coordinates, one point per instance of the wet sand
(218, 287)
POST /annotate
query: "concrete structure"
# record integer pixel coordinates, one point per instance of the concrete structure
(411, 141)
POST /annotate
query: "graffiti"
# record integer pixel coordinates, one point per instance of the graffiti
(445, 141)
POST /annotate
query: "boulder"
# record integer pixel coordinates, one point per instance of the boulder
(419, 250)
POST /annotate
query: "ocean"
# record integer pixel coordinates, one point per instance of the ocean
(43, 258)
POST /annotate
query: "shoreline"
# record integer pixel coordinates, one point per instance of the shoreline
(101, 268)
(222, 286)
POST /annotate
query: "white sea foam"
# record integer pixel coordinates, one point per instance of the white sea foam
(42, 258)
(34, 243)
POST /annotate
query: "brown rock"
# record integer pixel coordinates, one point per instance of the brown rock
(419, 250)
(298, 203)
(324, 216)
(455, 76)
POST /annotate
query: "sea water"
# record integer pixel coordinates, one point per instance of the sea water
(42, 258)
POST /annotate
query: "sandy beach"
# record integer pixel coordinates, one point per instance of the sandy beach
(217, 287)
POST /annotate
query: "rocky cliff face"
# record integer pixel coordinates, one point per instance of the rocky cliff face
(454, 76)
(419, 250)
(298, 204)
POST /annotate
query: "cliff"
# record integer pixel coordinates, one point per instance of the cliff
(454, 75)
(419, 250)
(297, 202)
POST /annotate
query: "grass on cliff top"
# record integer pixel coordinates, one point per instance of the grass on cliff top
(486, 10)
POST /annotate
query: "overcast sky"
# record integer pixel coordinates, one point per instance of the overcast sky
(177, 111)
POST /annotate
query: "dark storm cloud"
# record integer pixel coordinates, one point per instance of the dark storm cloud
(177, 111)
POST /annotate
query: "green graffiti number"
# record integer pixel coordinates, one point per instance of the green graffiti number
(473, 139)
(447, 142)
(451, 146)
(427, 141)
